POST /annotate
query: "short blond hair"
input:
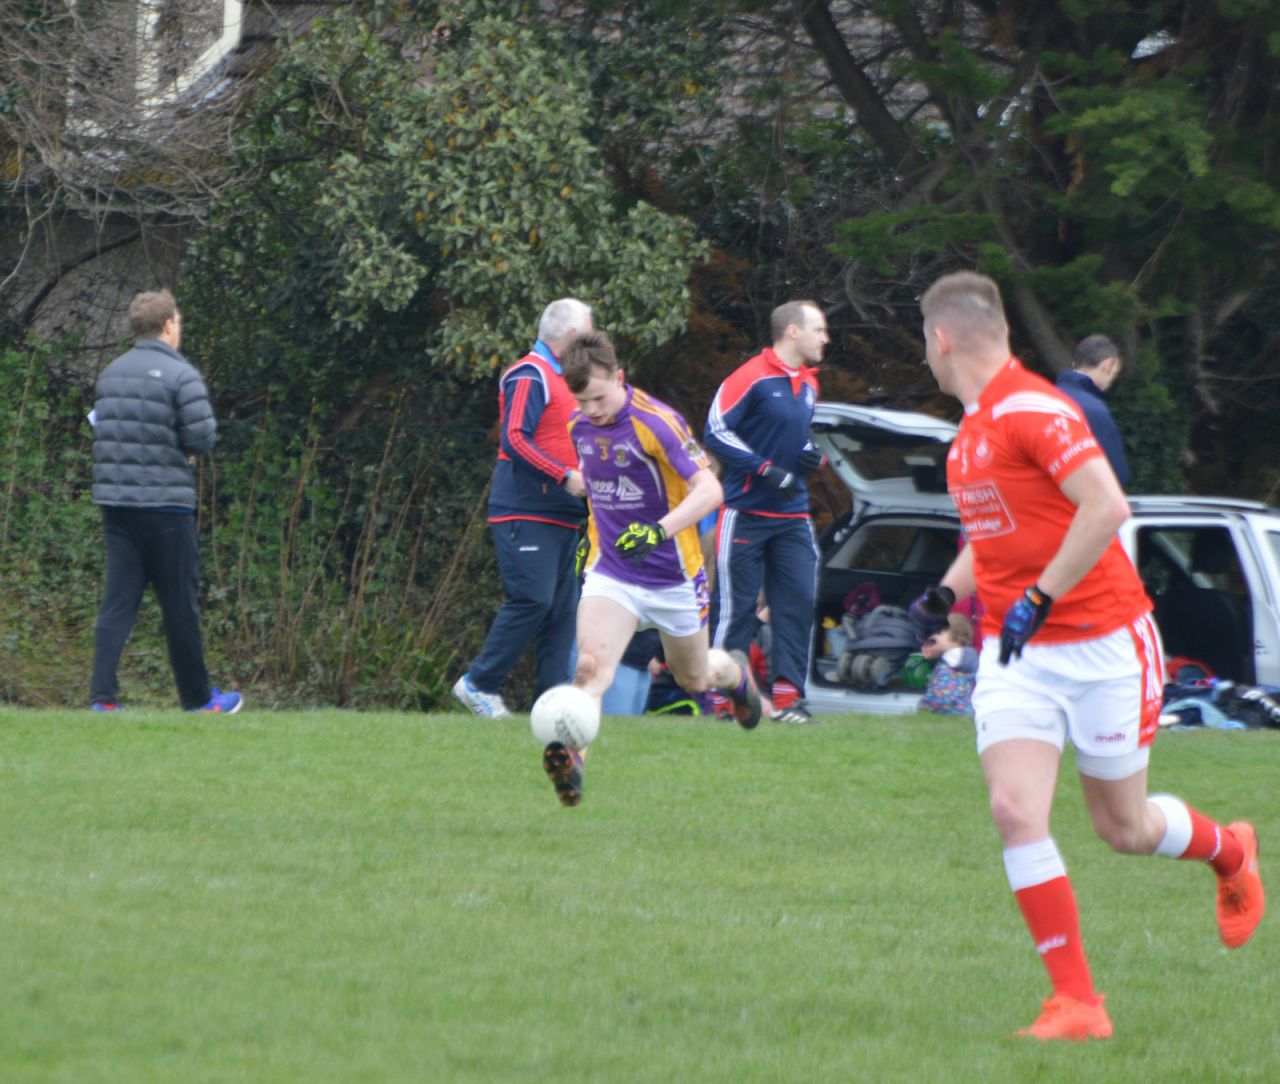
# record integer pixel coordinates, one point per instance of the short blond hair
(149, 311)
(969, 305)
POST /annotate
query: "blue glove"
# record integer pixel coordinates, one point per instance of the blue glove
(777, 478)
(809, 460)
(1022, 621)
(639, 540)
(929, 612)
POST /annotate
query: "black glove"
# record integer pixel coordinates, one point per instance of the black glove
(929, 612)
(777, 478)
(809, 460)
(1022, 621)
(580, 553)
(639, 540)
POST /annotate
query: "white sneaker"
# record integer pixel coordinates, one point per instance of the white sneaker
(489, 705)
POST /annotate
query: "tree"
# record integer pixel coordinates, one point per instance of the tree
(1114, 167)
(425, 188)
(440, 179)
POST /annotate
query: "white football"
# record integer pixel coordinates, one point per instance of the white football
(566, 714)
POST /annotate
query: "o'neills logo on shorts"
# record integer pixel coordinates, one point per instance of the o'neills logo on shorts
(1108, 739)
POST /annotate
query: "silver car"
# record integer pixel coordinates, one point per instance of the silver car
(1210, 565)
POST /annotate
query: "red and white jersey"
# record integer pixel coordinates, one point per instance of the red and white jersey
(1016, 446)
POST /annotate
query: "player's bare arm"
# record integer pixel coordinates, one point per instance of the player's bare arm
(1101, 507)
(705, 495)
(959, 577)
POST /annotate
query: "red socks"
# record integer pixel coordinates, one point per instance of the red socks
(1212, 843)
(1039, 881)
(784, 694)
(1191, 835)
(1049, 911)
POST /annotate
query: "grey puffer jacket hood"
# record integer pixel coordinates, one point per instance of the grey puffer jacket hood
(152, 411)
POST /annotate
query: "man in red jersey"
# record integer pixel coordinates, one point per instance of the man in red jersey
(536, 510)
(1077, 656)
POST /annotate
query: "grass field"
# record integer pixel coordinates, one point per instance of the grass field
(326, 896)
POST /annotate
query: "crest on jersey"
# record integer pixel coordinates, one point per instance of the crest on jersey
(1060, 431)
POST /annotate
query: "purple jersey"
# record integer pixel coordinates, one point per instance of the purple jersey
(637, 469)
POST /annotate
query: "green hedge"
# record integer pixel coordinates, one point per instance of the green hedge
(348, 568)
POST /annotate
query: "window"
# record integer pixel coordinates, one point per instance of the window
(181, 43)
(1195, 578)
(140, 58)
(919, 549)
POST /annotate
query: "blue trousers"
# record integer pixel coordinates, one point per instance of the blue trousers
(536, 565)
(778, 553)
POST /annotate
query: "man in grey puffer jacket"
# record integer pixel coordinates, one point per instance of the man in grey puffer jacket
(152, 413)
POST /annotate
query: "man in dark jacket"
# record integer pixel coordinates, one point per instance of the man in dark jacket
(536, 512)
(1095, 368)
(152, 413)
(758, 428)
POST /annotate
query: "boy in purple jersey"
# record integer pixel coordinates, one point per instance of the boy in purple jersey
(648, 484)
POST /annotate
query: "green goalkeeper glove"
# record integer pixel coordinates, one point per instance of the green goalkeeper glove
(639, 540)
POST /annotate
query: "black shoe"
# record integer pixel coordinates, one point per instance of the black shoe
(564, 768)
(746, 708)
(797, 713)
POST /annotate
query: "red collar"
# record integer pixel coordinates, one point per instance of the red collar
(796, 376)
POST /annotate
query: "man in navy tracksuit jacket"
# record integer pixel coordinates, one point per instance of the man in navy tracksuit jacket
(536, 511)
(758, 428)
(1094, 369)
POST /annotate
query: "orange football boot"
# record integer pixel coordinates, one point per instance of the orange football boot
(1063, 1017)
(1240, 899)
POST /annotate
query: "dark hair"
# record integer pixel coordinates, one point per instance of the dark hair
(1093, 351)
(585, 353)
(149, 311)
(788, 313)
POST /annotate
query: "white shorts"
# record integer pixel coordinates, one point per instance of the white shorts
(1103, 694)
(679, 610)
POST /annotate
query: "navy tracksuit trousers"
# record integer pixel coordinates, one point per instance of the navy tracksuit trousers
(536, 565)
(780, 554)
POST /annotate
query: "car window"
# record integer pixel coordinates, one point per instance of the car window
(1198, 556)
(883, 455)
(1195, 579)
(897, 547)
